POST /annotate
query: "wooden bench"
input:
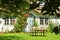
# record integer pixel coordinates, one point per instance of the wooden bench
(34, 31)
(40, 31)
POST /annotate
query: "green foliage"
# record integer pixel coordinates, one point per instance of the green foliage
(8, 15)
(13, 5)
(21, 22)
(33, 6)
(51, 26)
(17, 27)
(12, 8)
(50, 7)
(35, 24)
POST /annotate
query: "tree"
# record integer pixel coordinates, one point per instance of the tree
(50, 7)
(34, 5)
(13, 7)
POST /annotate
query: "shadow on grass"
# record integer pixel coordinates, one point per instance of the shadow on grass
(38, 35)
(11, 38)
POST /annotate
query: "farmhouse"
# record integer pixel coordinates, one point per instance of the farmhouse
(41, 21)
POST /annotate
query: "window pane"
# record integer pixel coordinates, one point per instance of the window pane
(12, 21)
(46, 21)
(41, 21)
(7, 22)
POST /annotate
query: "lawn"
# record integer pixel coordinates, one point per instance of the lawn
(26, 36)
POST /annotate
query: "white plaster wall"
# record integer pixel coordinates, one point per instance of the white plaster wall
(1, 24)
(52, 20)
(55, 21)
(58, 21)
(8, 28)
(30, 21)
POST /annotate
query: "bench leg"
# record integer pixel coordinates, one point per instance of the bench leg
(35, 32)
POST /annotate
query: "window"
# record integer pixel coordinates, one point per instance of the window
(43, 21)
(9, 21)
(6, 22)
(12, 21)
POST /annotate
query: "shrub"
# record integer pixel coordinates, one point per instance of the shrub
(51, 26)
(35, 24)
(21, 22)
(17, 27)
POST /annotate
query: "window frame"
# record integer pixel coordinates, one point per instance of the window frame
(9, 21)
(44, 21)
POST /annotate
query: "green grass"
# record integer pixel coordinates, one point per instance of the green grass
(26, 36)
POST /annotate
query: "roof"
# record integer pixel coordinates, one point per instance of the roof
(33, 14)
